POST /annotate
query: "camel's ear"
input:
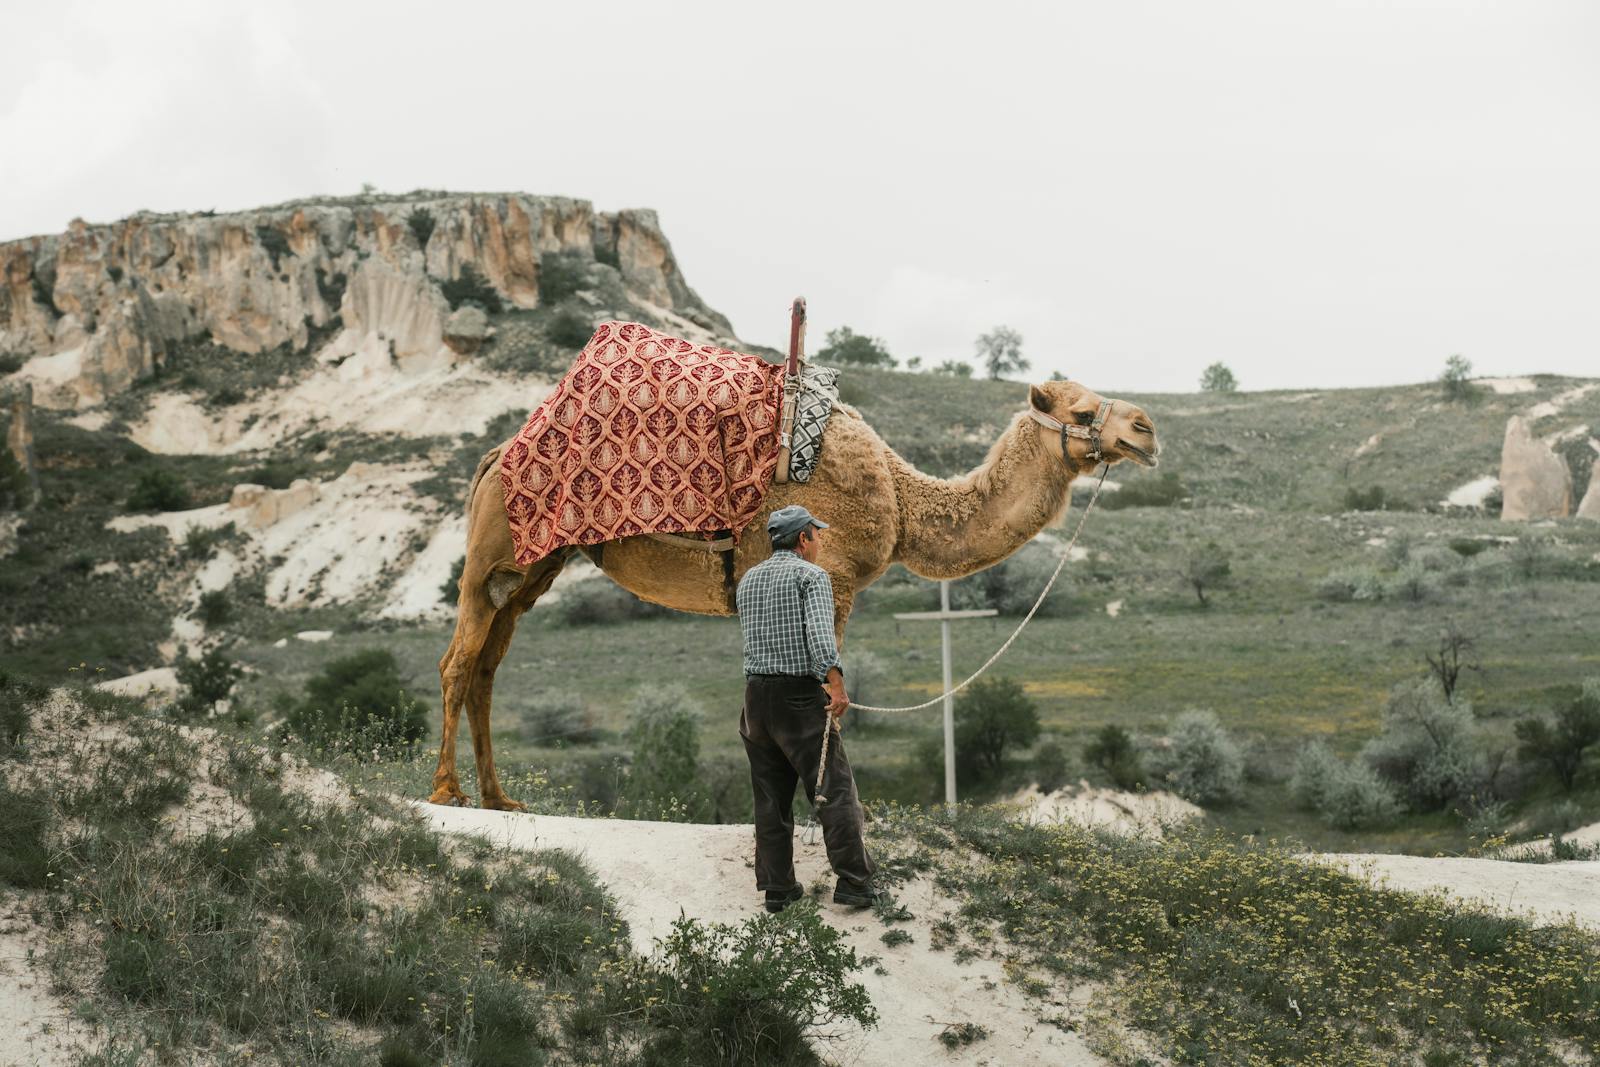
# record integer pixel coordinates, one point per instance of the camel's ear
(1039, 398)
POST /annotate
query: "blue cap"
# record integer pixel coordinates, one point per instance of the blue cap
(791, 519)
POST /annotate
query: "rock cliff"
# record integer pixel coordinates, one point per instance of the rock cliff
(1534, 480)
(97, 308)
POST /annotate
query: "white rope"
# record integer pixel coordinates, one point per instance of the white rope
(1066, 553)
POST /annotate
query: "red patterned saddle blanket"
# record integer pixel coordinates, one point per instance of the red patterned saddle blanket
(645, 433)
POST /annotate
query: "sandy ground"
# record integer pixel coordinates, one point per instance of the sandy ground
(658, 871)
(1540, 892)
(39, 1027)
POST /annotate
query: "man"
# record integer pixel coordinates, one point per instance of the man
(794, 689)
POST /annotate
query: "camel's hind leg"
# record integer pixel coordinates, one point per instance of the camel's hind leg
(487, 618)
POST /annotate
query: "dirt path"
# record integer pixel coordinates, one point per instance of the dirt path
(1541, 892)
(659, 870)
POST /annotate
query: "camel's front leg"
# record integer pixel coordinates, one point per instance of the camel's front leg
(473, 616)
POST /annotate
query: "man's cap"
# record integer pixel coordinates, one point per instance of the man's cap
(791, 519)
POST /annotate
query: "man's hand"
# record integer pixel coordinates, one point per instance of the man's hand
(838, 699)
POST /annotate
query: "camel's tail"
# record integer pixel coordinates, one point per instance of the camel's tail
(490, 460)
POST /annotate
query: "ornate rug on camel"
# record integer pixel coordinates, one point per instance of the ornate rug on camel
(645, 433)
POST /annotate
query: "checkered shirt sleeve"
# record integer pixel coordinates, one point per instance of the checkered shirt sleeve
(786, 614)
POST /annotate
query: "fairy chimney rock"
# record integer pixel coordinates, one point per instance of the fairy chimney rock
(1535, 482)
(19, 436)
(1590, 507)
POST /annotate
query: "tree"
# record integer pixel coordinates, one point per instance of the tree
(1447, 664)
(845, 346)
(1455, 379)
(1205, 567)
(207, 681)
(1561, 742)
(1113, 751)
(1217, 378)
(1000, 352)
(358, 702)
(954, 368)
(991, 717)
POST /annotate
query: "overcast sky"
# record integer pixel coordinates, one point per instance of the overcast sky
(1317, 194)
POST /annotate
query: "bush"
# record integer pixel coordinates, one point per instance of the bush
(992, 716)
(1217, 378)
(422, 223)
(471, 286)
(1456, 379)
(1412, 583)
(750, 994)
(1204, 764)
(570, 328)
(15, 489)
(1348, 796)
(1052, 766)
(1560, 742)
(1012, 585)
(561, 275)
(358, 702)
(1467, 547)
(846, 347)
(273, 242)
(559, 717)
(1352, 583)
(1113, 751)
(206, 680)
(601, 602)
(214, 608)
(1162, 490)
(200, 542)
(450, 591)
(158, 489)
(1205, 567)
(1428, 748)
(1372, 498)
(664, 737)
(276, 474)
(11, 362)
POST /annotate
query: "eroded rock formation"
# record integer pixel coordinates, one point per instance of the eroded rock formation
(1590, 507)
(97, 308)
(1535, 482)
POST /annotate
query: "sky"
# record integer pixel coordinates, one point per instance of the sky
(1316, 194)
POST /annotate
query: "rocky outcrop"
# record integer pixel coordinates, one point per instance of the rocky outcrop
(1535, 482)
(19, 440)
(262, 507)
(98, 307)
(1590, 507)
(466, 329)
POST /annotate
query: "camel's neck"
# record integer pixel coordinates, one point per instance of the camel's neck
(953, 528)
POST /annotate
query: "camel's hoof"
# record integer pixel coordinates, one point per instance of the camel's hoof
(503, 803)
(450, 798)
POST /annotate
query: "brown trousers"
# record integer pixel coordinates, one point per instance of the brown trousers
(782, 729)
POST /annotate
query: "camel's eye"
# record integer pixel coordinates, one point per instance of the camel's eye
(1083, 418)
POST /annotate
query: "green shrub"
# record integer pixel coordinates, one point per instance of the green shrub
(422, 223)
(277, 473)
(1412, 583)
(358, 702)
(1352, 583)
(274, 242)
(846, 347)
(1217, 378)
(558, 717)
(1428, 747)
(1052, 766)
(1162, 490)
(664, 737)
(215, 608)
(15, 487)
(1114, 752)
(993, 716)
(206, 681)
(749, 994)
(1204, 567)
(11, 362)
(570, 328)
(562, 275)
(1348, 796)
(17, 698)
(200, 542)
(1468, 547)
(1203, 763)
(24, 853)
(1561, 741)
(1457, 380)
(1372, 498)
(601, 602)
(158, 489)
(471, 286)
(1013, 585)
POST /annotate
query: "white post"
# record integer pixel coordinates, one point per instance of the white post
(949, 701)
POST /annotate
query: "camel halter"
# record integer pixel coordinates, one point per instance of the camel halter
(1090, 433)
(1094, 443)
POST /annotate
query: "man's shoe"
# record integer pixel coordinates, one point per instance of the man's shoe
(778, 899)
(860, 896)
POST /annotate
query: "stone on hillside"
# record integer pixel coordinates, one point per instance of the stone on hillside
(1590, 508)
(19, 439)
(160, 684)
(466, 329)
(391, 315)
(263, 507)
(1535, 482)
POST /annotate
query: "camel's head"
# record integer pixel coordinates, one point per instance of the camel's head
(1080, 420)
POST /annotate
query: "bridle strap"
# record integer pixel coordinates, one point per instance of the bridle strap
(1090, 433)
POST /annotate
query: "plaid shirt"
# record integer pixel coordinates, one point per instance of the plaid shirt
(786, 613)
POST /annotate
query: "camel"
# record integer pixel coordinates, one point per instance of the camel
(881, 510)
